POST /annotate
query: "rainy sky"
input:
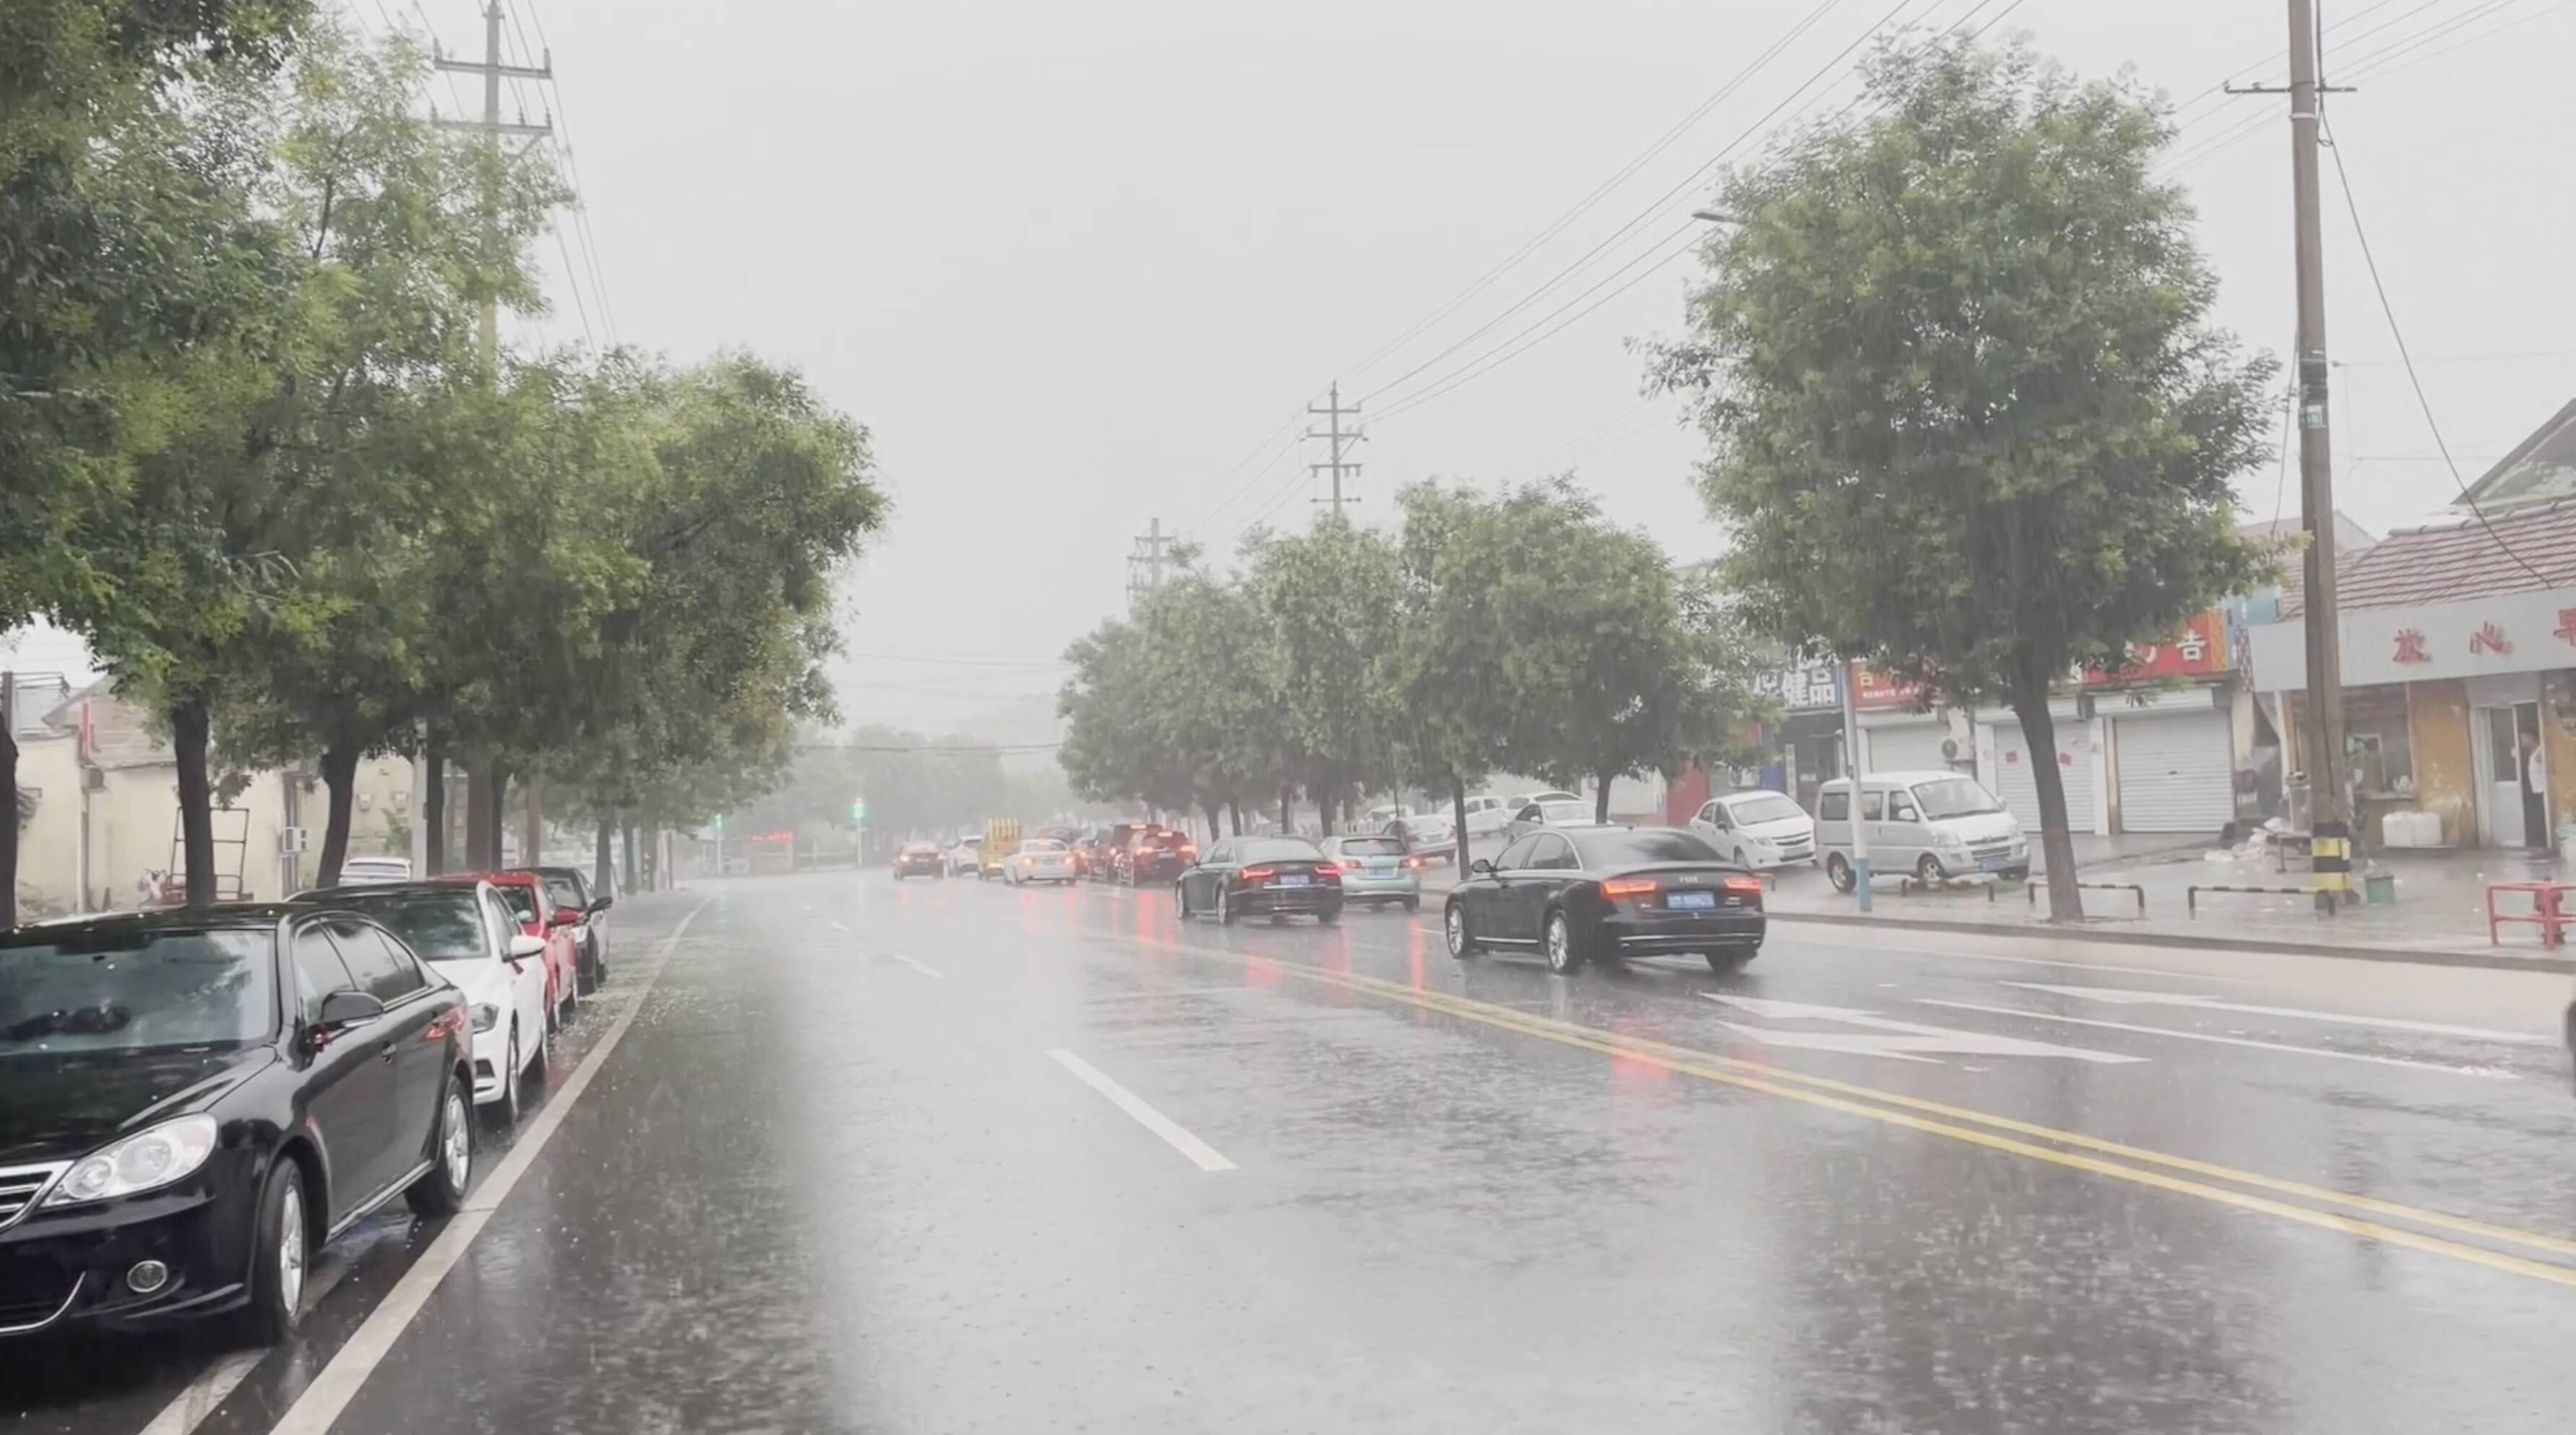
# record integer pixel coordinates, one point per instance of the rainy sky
(1072, 260)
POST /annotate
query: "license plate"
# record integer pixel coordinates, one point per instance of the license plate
(1690, 900)
(1295, 879)
(1381, 869)
(1991, 864)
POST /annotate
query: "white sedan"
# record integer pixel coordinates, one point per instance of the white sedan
(1040, 859)
(1757, 829)
(966, 858)
(467, 934)
(1430, 833)
(1556, 811)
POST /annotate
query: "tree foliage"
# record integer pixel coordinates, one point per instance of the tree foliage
(1968, 420)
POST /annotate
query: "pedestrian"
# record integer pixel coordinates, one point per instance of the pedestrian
(2535, 793)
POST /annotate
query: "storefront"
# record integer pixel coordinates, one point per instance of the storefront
(2171, 752)
(2006, 762)
(1898, 735)
(1805, 749)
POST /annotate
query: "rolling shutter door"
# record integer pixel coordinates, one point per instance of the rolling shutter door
(1907, 747)
(2020, 791)
(2175, 772)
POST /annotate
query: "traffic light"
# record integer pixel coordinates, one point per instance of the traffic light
(858, 810)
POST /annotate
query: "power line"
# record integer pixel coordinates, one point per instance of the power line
(2343, 181)
(1335, 439)
(571, 158)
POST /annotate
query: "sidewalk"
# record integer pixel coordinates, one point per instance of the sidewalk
(2439, 915)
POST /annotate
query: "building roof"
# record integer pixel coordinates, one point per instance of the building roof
(2541, 469)
(2471, 559)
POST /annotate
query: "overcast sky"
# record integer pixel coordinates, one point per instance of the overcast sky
(1072, 260)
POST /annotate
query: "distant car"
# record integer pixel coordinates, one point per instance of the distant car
(1272, 876)
(1377, 870)
(1555, 812)
(197, 1099)
(568, 888)
(1040, 859)
(1524, 799)
(1933, 824)
(1757, 829)
(358, 870)
(469, 935)
(966, 856)
(1431, 834)
(1608, 892)
(1100, 858)
(919, 859)
(1486, 815)
(1155, 855)
(525, 894)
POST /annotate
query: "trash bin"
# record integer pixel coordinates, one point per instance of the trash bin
(2379, 887)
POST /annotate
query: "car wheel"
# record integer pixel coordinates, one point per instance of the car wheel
(554, 1012)
(1563, 956)
(1728, 963)
(1453, 924)
(284, 1252)
(1838, 870)
(1329, 915)
(505, 1112)
(441, 1190)
(1181, 899)
(1225, 913)
(571, 1004)
(1927, 870)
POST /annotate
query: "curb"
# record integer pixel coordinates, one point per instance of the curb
(2426, 957)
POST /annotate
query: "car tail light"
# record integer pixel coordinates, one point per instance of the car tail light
(1743, 882)
(1189, 854)
(1412, 861)
(1259, 874)
(1630, 887)
(1330, 872)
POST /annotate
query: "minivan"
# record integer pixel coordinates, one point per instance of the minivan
(1931, 825)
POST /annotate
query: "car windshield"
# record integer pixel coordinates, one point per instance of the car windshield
(1565, 811)
(1047, 845)
(563, 892)
(1762, 807)
(1634, 847)
(136, 991)
(1371, 846)
(374, 869)
(1281, 849)
(1953, 797)
(441, 926)
(522, 900)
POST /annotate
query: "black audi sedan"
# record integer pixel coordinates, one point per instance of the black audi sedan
(193, 1102)
(1574, 894)
(1271, 876)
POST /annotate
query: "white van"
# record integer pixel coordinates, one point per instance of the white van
(1931, 825)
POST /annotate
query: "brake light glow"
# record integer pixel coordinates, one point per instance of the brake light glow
(1412, 861)
(1743, 882)
(1329, 871)
(1630, 887)
(1259, 874)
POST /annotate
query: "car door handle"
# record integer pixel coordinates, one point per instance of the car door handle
(385, 1052)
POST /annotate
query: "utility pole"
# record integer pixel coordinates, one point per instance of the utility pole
(2330, 821)
(1145, 565)
(1338, 439)
(494, 71)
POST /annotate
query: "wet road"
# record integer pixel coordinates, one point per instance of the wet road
(949, 1157)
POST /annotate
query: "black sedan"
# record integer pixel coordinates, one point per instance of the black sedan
(1587, 892)
(192, 1102)
(1267, 875)
(1155, 855)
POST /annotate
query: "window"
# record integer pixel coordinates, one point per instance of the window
(1619, 847)
(499, 926)
(382, 970)
(564, 892)
(1873, 805)
(1516, 856)
(1371, 847)
(2377, 749)
(1762, 807)
(318, 971)
(1281, 849)
(440, 926)
(83, 993)
(1554, 854)
(1530, 813)
(1834, 806)
(1714, 814)
(1955, 797)
(1900, 808)
(522, 900)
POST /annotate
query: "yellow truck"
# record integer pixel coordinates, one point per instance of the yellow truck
(1001, 839)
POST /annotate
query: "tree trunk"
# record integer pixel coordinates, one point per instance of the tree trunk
(478, 820)
(496, 814)
(340, 777)
(1601, 799)
(9, 819)
(1216, 833)
(190, 723)
(1234, 811)
(603, 863)
(2057, 845)
(1285, 793)
(433, 803)
(634, 869)
(1458, 815)
(532, 823)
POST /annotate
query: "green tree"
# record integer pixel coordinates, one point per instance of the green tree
(1445, 670)
(1327, 598)
(1969, 422)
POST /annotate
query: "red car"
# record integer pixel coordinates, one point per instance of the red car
(526, 894)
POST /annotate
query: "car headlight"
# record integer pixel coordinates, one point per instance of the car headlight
(150, 1158)
(1949, 840)
(487, 1015)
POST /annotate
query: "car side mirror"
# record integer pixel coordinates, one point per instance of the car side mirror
(347, 1008)
(1482, 866)
(602, 903)
(522, 946)
(568, 916)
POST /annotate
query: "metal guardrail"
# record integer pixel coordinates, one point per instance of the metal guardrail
(2191, 895)
(2030, 891)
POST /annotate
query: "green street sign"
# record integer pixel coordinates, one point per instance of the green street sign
(858, 809)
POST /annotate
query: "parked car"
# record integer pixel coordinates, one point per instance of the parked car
(966, 856)
(1935, 825)
(1272, 876)
(525, 894)
(568, 888)
(1155, 855)
(469, 935)
(197, 1100)
(1757, 829)
(1040, 859)
(1591, 892)
(1487, 815)
(357, 870)
(1524, 799)
(1377, 870)
(1529, 817)
(919, 859)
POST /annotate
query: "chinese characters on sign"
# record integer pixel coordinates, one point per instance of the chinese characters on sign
(1802, 689)
(2410, 647)
(1878, 690)
(2198, 650)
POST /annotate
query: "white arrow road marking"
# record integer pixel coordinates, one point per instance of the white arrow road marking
(1906, 1040)
(2489, 1073)
(2120, 997)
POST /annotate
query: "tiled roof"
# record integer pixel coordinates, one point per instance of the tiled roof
(2459, 560)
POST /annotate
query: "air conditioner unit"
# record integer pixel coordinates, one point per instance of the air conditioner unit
(291, 839)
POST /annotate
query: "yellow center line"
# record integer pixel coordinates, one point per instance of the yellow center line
(1875, 1104)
